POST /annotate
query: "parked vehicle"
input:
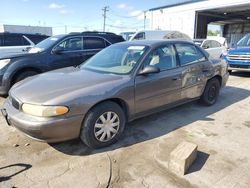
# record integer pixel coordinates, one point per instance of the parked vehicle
(213, 47)
(121, 83)
(127, 35)
(238, 58)
(222, 40)
(15, 43)
(159, 34)
(53, 53)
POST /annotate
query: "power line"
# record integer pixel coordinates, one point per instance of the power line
(124, 27)
(128, 17)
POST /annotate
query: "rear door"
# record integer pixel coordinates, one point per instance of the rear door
(91, 46)
(159, 89)
(195, 67)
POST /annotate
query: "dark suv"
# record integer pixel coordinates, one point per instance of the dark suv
(53, 53)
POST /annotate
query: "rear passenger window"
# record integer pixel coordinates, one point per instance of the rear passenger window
(189, 54)
(140, 36)
(36, 38)
(215, 44)
(164, 58)
(94, 43)
(13, 40)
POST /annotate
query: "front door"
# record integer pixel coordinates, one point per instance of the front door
(159, 89)
(70, 54)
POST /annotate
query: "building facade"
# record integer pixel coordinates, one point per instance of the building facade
(193, 16)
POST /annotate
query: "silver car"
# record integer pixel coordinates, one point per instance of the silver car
(119, 84)
(213, 47)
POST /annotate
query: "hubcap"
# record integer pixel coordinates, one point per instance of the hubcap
(212, 93)
(106, 126)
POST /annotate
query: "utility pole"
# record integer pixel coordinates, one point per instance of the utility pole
(105, 10)
(65, 29)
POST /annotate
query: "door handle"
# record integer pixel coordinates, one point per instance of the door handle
(176, 78)
(205, 70)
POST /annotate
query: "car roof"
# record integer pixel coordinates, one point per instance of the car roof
(200, 40)
(111, 37)
(153, 43)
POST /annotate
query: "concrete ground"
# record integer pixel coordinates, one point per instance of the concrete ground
(222, 133)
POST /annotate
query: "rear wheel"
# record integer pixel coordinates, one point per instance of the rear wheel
(211, 92)
(24, 75)
(230, 71)
(103, 125)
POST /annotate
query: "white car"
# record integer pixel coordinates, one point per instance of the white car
(15, 43)
(213, 47)
(159, 34)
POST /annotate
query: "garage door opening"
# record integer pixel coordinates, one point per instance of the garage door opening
(235, 21)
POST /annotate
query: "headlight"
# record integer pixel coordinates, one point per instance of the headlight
(4, 62)
(224, 53)
(44, 111)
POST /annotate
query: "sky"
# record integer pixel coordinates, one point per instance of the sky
(78, 15)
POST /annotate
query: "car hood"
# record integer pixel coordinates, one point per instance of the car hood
(240, 50)
(17, 55)
(45, 88)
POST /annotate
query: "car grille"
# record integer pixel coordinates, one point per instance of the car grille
(239, 57)
(15, 103)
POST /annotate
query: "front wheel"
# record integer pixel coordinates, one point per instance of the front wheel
(103, 125)
(211, 92)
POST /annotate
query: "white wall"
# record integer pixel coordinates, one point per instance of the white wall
(182, 18)
(165, 20)
(26, 29)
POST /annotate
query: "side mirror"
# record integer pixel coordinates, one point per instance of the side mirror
(205, 47)
(57, 50)
(149, 70)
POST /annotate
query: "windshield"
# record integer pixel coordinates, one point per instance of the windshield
(45, 44)
(245, 41)
(118, 59)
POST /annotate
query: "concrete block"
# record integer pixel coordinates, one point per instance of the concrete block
(182, 157)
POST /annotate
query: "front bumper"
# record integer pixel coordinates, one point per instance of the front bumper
(239, 65)
(239, 69)
(3, 87)
(54, 129)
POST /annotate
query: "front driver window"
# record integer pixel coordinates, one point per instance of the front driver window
(140, 36)
(164, 58)
(71, 44)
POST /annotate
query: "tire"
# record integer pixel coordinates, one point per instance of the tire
(230, 72)
(92, 133)
(211, 92)
(24, 75)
